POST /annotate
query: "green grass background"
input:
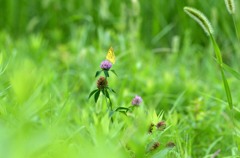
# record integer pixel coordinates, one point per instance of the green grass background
(51, 49)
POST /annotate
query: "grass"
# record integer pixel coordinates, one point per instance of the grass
(47, 73)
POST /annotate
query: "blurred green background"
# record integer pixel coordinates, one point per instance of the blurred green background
(59, 21)
(51, 49)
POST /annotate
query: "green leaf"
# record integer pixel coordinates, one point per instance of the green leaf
(220, 62)
(103, 91)
(94, 91)
(107, 94)
(113, 71)
(96, 96)
(111, 90)
(111, 113)
(124, 112)
(161, 153)
(232, 71)
(217, 50)
(106, 73)
(98, 73)
(121, 108)
(227, 90)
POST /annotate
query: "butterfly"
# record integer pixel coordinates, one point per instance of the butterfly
(111, 56)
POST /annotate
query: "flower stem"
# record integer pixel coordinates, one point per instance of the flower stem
(109, 105)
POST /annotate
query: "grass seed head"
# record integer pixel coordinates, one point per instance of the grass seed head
(230, 6)
(200, 18)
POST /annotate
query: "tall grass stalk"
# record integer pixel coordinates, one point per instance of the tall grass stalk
(230, 4)
(203, 21)
(220, 63)
(236, 28)
(205, 24)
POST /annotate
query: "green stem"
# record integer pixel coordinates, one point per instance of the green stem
(110, 109)
(106, 101)
(216, 50)
(234, 131)
(225, 82)
(236, 29)
(220, 63)
(227, 89)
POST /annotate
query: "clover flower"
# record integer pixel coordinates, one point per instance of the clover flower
(201, 19)
(137, 101)
(102, 83)
(155, 145)
(106, 65)
(161, 125)
(170, 144)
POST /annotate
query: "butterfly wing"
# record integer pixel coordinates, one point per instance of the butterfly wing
(111, 56)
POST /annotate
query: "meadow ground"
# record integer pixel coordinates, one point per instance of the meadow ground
(51, 50)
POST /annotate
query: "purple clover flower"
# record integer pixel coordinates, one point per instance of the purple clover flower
(106, 65)
(137, 101)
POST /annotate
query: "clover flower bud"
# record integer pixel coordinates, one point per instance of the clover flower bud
(102, 83)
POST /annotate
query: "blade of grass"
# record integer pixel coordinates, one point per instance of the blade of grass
(220, 62)
(232, 71)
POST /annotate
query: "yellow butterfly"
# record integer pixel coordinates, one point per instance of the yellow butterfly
(110, 55)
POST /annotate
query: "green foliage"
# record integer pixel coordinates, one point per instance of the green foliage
(203, 21)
